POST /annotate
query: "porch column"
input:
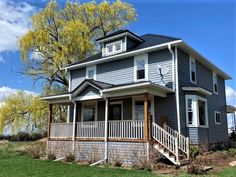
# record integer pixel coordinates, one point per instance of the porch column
(106, 128)
(49, 120)
(146, 119)
(74, 121)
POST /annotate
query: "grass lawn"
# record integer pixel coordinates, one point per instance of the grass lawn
(14, 164)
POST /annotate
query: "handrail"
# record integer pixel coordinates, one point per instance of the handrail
(183, 142)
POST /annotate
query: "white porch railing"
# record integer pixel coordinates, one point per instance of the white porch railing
(165, 138)
(61, 130)
(90, 129)
(127, 129)
(183, 142)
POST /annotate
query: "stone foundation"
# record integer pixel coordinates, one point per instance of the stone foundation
(125, 152)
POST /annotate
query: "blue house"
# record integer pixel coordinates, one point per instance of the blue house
(140, 93)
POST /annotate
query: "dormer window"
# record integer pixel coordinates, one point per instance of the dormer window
(113, 48)
(91, 72)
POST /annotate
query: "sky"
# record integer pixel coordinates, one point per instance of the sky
(208, 26)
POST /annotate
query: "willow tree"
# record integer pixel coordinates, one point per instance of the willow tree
(23, 110)
(63, 35)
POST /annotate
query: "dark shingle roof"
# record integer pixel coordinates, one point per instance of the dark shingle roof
(149, 40)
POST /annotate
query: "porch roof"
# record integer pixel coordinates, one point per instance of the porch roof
(110, 90)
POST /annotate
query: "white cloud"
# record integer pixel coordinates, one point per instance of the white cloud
(14, 22)
(7, 91)
(2, 59)
(230, 96)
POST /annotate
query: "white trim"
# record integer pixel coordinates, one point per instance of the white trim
(195, 109)
(69, 78)
(55, 96)
(177, 89)
(197, 89)
(191, 59)
(126, 54)
(83, 86)
(217, 112)
(122, 109)
(89, 103)
(114, 51)
(215, 82)
(118, 36)
(173, 67)
(138, 58)
(94, 67)
(89, 97)
(125, 44)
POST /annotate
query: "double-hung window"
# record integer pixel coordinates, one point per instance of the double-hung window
(91, 72)
(89, 111)
(141, 67)
(192, 65)
(215, 83)
(196, 111)
(113, 48)
(217, 117)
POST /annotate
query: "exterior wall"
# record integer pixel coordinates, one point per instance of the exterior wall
(166, 107)
(85, 150)
(89, 91)
(162, 58)
(77, 77)
(215, 102)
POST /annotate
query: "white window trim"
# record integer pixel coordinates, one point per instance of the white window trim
(113, 47)
(141, 57)
(195, 99)
(213, 80)
(121, 103)
(89, 103)
(217, 112)
(191, 59)
(94, 67)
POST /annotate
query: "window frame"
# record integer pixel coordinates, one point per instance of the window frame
(88, 104)
(88, 68)
(215, 81)
(136, 59)
(113, 44)
(120, 103)
(215, 113)
(195, 108)
(191, 59)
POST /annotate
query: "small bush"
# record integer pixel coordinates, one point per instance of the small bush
(23, 136)
(194, 151)
(232, 152)
(70, 157)
(197, 166)
(51, 156)
(36, 150)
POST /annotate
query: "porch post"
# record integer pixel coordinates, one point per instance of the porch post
(49, 120)
(74, 121)
(106, 128)
(146, 119)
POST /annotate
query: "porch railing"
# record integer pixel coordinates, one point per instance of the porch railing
(90, 129)
(61, 130)
(126, 129)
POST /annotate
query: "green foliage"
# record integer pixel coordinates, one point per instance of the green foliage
(232, 152)
(23, 110)
(194, 151)
(64, 35)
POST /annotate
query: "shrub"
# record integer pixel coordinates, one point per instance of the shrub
(70, 157)
(232, 152)
(51, 156)
(36, 150)
(23, 136)
(197, 166)
(116, 159)
(194, 151)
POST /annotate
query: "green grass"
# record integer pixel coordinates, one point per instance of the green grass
(15, 164)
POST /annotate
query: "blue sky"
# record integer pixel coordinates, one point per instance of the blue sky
(208, 26)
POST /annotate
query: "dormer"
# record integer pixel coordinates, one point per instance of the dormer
(118, 42)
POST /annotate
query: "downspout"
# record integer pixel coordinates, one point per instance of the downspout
(74, 120)
(105, 137)
(175, 81)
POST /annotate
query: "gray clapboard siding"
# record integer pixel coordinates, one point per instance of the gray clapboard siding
(89, 91)
(162, 58)
(116, 72)
(77, 77)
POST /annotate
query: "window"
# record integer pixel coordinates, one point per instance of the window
(202, 112)
(196, 111)
(89, 112)
(116, 111)
(190, 111)
(139, 110)
(140, 67)
(215, 84)
(217, 117)
(192, 70)
(113, 48)
(91, 72)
